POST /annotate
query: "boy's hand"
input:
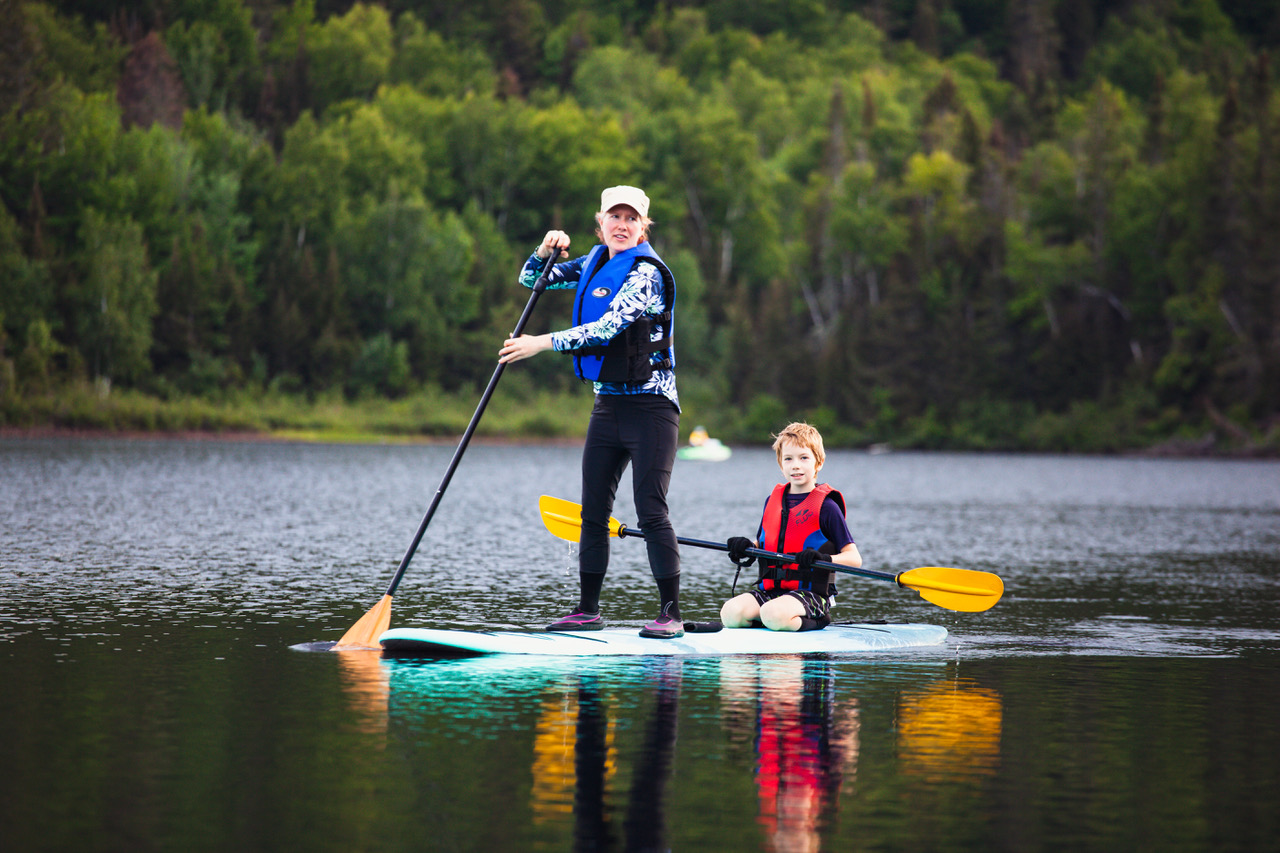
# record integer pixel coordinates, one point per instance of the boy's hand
(806, 558)
(738, 546)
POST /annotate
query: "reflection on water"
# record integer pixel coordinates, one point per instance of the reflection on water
(798, 753)
(576, 758)
(604, 735)
(950, 731)
(594, 763)
(645, 827)
(806, 746)
(1121, 696)
(554, 748)
(573, 729)
(367, 685)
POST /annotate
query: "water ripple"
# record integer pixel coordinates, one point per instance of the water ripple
(1098, 555)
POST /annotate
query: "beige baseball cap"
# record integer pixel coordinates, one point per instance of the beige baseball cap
(630, 196)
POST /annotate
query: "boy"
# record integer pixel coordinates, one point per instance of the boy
(800, 518)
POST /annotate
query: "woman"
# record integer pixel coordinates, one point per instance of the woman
(620, 341)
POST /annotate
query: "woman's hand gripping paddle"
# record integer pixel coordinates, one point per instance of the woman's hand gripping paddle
(365, 633)
(955, 589)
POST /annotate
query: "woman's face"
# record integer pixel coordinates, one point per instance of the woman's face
(622, 228)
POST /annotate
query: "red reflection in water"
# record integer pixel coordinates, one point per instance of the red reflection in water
(806, 747)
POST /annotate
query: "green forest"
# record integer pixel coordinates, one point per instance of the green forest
(966, 224)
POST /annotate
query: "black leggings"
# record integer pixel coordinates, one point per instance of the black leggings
(642, 429)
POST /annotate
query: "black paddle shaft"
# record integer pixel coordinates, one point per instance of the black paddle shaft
(539, 286)
(623, 530)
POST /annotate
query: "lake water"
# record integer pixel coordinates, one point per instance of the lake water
(1122, 696)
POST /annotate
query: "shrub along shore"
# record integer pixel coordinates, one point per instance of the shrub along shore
(526, 415)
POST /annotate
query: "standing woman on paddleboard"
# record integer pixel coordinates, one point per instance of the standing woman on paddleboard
(621, 342)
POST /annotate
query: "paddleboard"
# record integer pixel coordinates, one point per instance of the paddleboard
(834, 639)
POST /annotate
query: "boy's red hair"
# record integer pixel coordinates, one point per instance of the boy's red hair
(804, 435)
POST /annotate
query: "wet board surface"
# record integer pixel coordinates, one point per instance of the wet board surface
(834, 639)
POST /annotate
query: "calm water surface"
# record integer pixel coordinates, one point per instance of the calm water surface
(1122, 695)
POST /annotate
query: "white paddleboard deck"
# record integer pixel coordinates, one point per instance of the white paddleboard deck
(834, 639)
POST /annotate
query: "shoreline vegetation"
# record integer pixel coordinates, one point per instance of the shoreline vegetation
(526, 415)
(980, 226)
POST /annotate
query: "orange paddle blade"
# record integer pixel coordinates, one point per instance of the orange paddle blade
(564, 518)
(955, 589)
(365, 633)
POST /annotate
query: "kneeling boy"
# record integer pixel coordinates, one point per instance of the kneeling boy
(801, 518)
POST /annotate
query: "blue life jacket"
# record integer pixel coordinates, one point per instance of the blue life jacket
(628, 357)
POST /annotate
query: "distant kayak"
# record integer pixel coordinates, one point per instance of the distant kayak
(855, 638)
(710, 450)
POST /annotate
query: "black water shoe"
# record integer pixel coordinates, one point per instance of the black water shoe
(663, 628)
(578, 621)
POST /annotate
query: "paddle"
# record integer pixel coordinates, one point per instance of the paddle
(954, 589)
(365, 632)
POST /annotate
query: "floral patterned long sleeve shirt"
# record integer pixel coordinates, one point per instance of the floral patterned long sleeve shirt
(641, 293)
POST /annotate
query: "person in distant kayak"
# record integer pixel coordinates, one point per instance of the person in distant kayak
(801, 518)
(621, 342)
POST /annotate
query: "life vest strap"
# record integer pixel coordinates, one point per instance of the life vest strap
(630, 351)
(774, 576)
(636, 347)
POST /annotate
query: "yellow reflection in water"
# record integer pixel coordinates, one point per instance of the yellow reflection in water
(367, 684)
(561, 722)
(950, 731)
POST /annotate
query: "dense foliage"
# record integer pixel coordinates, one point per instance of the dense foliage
(980, 223)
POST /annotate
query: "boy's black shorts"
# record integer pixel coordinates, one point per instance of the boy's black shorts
(817, 608)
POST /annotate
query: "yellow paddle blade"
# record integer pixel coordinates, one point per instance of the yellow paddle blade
(564, 518)
(365, 633)
(955, 589)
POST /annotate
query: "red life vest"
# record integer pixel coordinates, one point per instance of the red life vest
(790, 532)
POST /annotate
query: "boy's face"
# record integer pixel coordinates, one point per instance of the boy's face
(799, 466)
